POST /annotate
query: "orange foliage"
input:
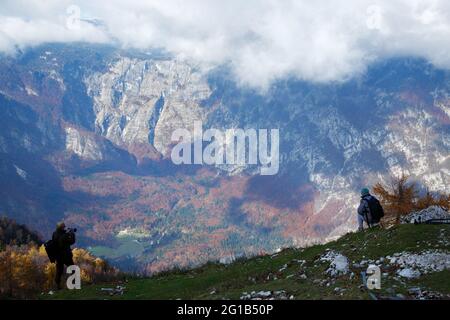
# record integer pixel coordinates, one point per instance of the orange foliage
(401, 197)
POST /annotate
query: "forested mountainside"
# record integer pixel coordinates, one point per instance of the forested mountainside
(85, 137)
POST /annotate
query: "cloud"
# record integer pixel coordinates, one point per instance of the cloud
(261, 40)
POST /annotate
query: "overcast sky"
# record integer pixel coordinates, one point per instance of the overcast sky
(262, 40)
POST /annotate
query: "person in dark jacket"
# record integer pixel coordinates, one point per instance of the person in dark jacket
(63, 239)
(364, 214)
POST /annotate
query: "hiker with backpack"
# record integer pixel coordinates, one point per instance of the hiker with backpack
(59, 251)
(369, 210)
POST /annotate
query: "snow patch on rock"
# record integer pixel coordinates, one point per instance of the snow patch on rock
(21, 173)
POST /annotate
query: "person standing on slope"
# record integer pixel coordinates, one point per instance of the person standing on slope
(63, 239)
(369, 210)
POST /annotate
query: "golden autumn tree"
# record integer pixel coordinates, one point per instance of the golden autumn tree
(398, 197)
(26, 274)
(6, 283)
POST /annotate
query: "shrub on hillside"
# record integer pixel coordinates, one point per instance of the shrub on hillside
(25, 270)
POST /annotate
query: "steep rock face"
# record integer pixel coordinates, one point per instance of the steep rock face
(88, 146)
(143, 101)
(83, 146)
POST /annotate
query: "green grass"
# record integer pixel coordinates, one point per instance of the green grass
(439, 281)
(262, 273)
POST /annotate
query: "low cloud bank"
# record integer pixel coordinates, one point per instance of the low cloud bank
(261, 40)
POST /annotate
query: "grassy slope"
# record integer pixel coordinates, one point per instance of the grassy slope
(262, 273)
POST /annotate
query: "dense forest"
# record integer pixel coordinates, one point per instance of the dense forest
(13, 233)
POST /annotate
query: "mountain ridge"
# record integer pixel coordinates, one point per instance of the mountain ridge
(94, 163)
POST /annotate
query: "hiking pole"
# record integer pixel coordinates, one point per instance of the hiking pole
(367, 220)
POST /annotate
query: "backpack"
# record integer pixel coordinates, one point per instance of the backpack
(51, 248)
(376, 210)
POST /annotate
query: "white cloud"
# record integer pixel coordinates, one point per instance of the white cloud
(262, 40)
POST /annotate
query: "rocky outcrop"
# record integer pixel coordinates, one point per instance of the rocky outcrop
(422, 216)
(338, 263)
(413, 265)
(267, 295)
